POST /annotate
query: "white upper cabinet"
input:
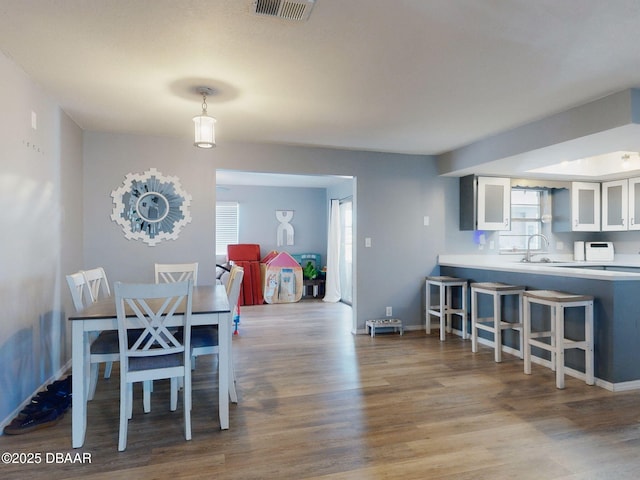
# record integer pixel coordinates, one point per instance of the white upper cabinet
(585, 207)
(615, 205)
(577, 209)
(634, 203)
(494, 203)
(485, 203)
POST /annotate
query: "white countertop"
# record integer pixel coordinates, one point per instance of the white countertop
(563, 265)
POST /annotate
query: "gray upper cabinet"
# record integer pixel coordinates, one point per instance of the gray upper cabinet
(577, 209)
(485, 203)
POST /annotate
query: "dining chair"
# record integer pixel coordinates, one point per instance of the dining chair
(156, 351)
(176, 272)
(104, 349)
(204, 338)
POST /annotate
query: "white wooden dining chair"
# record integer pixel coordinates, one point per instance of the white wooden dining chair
(176, 272)
(156, 351)
(104, 349)
(204, 338)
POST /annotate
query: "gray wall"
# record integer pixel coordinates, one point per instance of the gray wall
(258, 223)
(41, 189)
(108, 158)
(392, 195)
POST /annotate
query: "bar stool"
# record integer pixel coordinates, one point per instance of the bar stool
(495, 324)
(444, 309)
(556, 342)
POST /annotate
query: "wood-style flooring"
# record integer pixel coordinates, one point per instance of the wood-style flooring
(316, 402)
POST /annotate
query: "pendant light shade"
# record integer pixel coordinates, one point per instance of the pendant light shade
(205, 131)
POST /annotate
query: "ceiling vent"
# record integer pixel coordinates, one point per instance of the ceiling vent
(286, 9)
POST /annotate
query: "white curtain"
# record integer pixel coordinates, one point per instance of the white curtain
(332, 285)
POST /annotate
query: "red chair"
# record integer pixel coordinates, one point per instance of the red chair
(247, 256)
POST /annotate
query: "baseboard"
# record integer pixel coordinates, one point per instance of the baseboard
(619, 387)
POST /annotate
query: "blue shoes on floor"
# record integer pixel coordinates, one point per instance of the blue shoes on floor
(45, 410)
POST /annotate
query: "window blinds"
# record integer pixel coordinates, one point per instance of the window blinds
(226, 225)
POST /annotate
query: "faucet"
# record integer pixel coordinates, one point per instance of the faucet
(528, 255)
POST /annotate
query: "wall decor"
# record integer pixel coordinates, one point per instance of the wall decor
(151, 207)
(285, 229)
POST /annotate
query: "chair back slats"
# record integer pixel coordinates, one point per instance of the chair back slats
(97, 283)
(79, 290)
(155, 338)
(151, 307)
(176, 272)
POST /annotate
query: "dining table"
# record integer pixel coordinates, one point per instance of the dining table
(210, 306)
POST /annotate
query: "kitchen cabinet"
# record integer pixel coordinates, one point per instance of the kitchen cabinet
(615, 205)
(634, 203)
(577, 209)
(485, 203)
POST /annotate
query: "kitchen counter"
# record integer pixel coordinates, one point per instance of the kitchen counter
(622, 268)
(614, 285)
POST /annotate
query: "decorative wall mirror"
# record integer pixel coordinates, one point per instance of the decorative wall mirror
(151, 207)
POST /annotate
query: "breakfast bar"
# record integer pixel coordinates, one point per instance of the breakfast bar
(615, 286)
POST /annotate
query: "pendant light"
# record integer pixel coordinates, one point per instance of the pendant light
(205, 133)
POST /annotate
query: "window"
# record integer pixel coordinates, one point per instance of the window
(527, 206)
(226, 226)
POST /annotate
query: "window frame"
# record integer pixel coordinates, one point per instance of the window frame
(543, 206)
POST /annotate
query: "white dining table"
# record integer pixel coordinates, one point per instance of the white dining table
(210, 307)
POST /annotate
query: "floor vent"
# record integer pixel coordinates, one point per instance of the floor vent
(286, 9)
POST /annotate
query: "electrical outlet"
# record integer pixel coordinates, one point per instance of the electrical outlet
(389, 311)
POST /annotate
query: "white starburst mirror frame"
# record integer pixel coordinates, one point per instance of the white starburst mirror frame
(151, 207)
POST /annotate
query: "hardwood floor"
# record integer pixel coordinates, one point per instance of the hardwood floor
(316, 402)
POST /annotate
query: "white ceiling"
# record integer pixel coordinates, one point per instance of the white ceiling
(408, 76)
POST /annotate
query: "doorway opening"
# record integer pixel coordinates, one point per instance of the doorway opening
(259, 195)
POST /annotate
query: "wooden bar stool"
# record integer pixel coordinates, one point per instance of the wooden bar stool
(444, 309)
(496, 323)
(556, 343)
